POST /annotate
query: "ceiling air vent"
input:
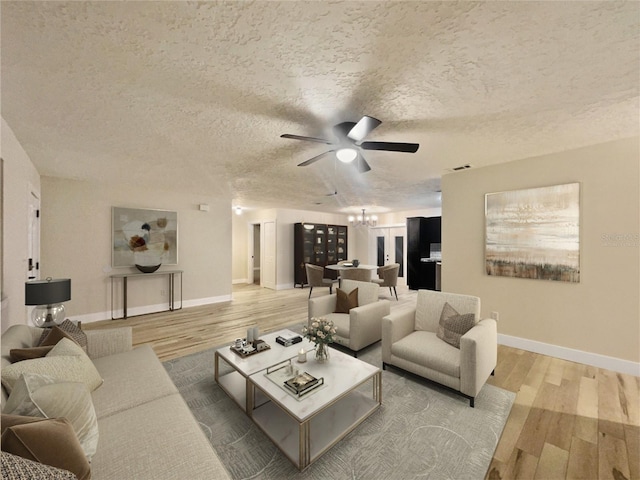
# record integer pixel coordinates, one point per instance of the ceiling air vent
(462, 167)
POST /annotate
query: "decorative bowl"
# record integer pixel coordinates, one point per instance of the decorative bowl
(148, 268)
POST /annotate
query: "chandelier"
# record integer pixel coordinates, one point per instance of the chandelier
(363, 220)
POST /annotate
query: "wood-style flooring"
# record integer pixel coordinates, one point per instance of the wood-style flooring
(569, 420)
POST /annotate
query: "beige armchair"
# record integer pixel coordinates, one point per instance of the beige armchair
(360, 327)
(410, 342)
(388, 277)
(315, 278)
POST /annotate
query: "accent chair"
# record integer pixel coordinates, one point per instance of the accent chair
(315, 278)
(422, 340)
(357, 326)
(388, 277)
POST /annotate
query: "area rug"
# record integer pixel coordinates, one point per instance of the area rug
(420, 431)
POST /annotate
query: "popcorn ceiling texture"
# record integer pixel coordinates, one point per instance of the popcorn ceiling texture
(194, 96)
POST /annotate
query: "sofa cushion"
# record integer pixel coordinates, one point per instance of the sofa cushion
(66, 361)
(367, 292)
(18, 468)
(346, 301)
(45, 397)
(50, 441)
(157, 440)
(131, 378)
(425, 348)
(453, 325)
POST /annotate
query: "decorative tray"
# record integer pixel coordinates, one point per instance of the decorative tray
(291, 381)
(258, 346)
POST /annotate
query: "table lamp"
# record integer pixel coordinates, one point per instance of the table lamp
(47, 295)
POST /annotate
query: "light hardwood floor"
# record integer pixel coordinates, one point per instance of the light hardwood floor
(569, 420)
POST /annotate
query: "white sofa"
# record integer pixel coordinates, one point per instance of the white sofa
(362, 326)
(146, 430)
(410, 342)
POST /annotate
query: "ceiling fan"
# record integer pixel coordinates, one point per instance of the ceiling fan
(348, 143)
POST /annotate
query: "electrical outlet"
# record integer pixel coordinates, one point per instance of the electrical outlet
(163, 293)
(495, 316)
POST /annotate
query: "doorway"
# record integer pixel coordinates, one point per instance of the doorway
(256, 254)
(389, 245)
(33, 236)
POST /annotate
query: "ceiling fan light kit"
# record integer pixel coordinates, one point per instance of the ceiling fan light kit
(349, 134)
(347, 155)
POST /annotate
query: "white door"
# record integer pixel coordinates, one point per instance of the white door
(389, 245)
(33, 240)
(268, 270)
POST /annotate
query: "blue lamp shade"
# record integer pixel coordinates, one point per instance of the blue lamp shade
(48, 296)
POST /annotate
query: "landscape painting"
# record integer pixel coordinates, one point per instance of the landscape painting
(145, 237)
(534, 233)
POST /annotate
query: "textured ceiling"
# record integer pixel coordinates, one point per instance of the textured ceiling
(195, 96)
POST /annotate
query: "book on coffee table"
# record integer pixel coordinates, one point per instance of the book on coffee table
(302, 383)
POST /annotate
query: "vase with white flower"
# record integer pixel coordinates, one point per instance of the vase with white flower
(320, 331)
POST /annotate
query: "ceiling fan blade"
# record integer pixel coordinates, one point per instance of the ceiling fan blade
(362, 165)
(391, 146)
(314, 159)
(309, 139)
(363, 128)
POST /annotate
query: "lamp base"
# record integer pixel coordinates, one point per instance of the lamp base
(48, 315)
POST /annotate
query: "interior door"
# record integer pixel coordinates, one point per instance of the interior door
(389, 245)
(33, 240)
(268, 271)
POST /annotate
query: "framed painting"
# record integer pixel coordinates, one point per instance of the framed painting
(534, 233)
(144, 237)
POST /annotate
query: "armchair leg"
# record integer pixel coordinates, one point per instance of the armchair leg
(384, 366)
(493, 372)
(396, 292)
(330, 289)
(310, 290)
(472, 402)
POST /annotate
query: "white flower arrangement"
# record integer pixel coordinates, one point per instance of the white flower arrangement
(321, 331)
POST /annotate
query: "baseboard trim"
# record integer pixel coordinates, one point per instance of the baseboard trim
(144, 310)
(579, 356)
(238, 281)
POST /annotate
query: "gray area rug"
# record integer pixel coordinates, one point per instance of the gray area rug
(420, 431)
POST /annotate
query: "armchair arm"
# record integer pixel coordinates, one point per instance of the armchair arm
(395, 326)
(478, 356)
(320, 306)
(365, 323)
(101, 343)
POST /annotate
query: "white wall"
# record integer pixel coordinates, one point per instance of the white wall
(600, 315)
(19, 175)
(76, 243)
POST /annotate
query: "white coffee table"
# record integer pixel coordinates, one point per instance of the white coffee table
(303, 428)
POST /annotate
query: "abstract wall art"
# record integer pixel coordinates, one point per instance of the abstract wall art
(534, 233)
(144, 237)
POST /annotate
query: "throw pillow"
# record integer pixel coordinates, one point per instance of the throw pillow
(50, 441)
(346, 301)
(452, 325)
(14, 467)
(19, 354)
(42, 396)
(66, 362)
(66, 329)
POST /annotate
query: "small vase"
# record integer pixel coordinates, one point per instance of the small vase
(322, 353)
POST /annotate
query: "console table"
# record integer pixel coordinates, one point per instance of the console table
(125, 277)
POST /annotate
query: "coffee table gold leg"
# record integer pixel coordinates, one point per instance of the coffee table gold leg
(305, 446)
(250, 397)
(377, 387)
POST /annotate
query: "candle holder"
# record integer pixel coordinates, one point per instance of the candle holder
(302, 356)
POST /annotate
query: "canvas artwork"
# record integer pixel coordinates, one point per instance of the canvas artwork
(144, 237)
(534, 233)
